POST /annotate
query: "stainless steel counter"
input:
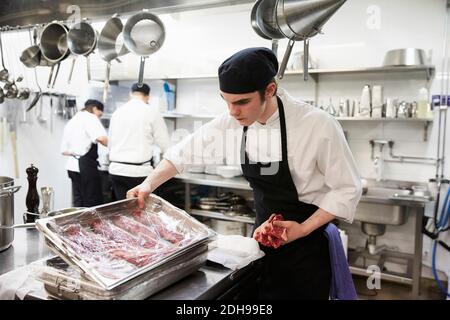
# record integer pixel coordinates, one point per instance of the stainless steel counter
(209, 282)
(242, 184)
(385, 193)
(28, 246)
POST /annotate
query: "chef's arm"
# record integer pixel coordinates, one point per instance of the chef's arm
(295, 230)
(315, 221)
(103, 140)
(164, 171)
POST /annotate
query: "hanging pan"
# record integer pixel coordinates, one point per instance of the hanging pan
(143, 34)
(264, 21)
(54, 46)
(81, 40)
(110, 46)
(31, 56)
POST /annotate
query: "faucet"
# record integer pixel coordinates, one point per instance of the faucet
(372, 247)
(379, 164)
(378, 161)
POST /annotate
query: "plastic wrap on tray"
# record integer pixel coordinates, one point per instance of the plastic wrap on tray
(68, 282)
(115, 243)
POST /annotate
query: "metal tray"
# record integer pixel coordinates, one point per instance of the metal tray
(63, 281)
(154, 205)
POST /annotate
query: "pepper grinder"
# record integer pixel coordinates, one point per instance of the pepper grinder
(32, 199)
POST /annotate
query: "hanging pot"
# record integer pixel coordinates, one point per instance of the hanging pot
(81, 40)
(11, 90)
(54, 47)
(23, 94)
(264, 21)
(54, 42)
(143, 34)
(31, 56)
(7, 190)
(110, 46)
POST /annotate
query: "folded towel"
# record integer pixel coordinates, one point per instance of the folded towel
(17, 283)
(235, 252)
(342, 287)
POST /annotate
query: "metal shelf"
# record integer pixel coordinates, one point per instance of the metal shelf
(220, 216)
(426, 122)
(174, 115)
(428, 69)
(385, 119)
(214, 180)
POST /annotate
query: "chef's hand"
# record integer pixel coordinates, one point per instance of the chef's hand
(141, 191)
(294, 230)
(262, 228)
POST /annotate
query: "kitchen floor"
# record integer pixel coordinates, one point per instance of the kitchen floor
(395, 291)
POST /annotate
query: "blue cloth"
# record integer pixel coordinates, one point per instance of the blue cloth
(342, 287)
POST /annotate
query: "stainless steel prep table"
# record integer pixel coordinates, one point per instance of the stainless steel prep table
(415, 208)
(211, 281)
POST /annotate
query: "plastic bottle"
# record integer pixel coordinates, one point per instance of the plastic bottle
(422, 103)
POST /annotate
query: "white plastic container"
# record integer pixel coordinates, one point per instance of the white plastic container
(422, 103)
(344, 239)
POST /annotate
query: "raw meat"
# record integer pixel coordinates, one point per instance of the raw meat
(272, 235)
(147, 236)
(156, 222)
(93, 246)
(112, 232)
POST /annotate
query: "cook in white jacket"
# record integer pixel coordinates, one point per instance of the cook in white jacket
(296, 160)
(134, 130)
(79, 143)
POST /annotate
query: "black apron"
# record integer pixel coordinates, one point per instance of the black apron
(300, 269)
(91, 184)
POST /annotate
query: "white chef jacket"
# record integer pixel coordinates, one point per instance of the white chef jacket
(79, 133)
(134, 129)
(320, 161)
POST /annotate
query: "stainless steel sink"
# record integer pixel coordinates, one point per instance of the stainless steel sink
(385, 214)
(386, 193)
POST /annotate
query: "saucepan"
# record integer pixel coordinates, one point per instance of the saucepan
(264, 21)
(31, 56)
(7, 191)
(81, 40)
(54, 46)
(110, 46)
(33, 224)
(10, 89)
(405, 57)
(212, 203)
(23, 94)
(143, 34)
(239, 210)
